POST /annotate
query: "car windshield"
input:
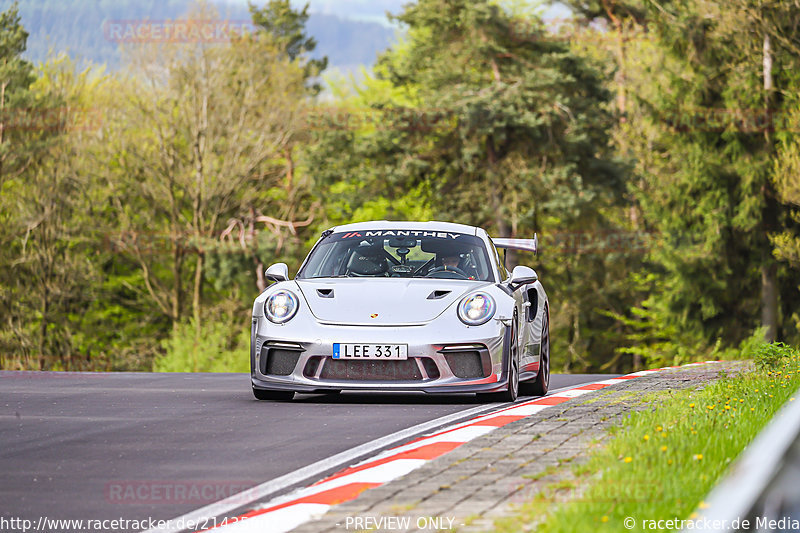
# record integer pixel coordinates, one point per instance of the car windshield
(399, 254)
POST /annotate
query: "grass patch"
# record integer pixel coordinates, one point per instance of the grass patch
(660, 463)
(539, 475)
(215, 347)
(399, 509)
(601, 396)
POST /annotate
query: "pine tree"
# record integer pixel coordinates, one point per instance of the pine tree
(483, 117)
(16, 77)
(710, 189)
(529, 128)
(285, 27)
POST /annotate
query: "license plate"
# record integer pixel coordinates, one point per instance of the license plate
(370, 351)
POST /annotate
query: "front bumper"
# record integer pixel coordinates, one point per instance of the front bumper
(443, 357)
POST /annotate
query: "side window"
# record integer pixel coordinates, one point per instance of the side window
(500, 268)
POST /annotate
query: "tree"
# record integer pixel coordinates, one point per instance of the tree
(285, 28)
(485, 118)
(707, 165)
(49, 244)
(16, 104)
(625, 18)
(201, 141)
(528, 120)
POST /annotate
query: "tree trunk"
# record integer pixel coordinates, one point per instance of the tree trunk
(261, 281)
(43, 329)
(252, 239)
(769, 270)
(620, 77)
(198, 293)
(287, 153)
(2, 123)
(177, 289)
(769, 301)
(495, 197)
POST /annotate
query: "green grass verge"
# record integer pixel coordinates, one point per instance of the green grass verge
(661, 462)
(218, 346)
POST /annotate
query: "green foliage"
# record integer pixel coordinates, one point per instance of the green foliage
(482, 116)
(616, 11)
(108, 229)
(217, 346)
(286, 28)
(48, 267)
(205, 164)
(285, 25)
(17, 102)
(711, 192)
(655, 338)
(774, 355)
(690, 89)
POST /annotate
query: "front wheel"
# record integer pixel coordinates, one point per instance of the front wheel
(511, 393)
(541, 383)
(274, 395)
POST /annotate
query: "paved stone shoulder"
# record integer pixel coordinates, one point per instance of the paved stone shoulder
(484, 479)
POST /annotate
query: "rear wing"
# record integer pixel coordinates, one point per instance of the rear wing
(526, 245)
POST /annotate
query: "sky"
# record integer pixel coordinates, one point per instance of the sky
(375, 10)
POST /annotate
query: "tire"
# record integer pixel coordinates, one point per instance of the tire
(541, 383)
(511, 393)
(274, 395)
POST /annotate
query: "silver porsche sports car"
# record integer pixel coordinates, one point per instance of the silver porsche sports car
(402, 306)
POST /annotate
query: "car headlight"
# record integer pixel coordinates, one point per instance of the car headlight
(476, 309)
(280, 307)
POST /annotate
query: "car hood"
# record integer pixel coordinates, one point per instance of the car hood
(382, 301)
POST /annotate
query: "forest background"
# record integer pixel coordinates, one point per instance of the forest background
(651, 145)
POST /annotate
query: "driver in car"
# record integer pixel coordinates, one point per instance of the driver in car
(450, 261)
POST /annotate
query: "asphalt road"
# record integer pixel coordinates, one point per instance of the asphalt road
(136, 446)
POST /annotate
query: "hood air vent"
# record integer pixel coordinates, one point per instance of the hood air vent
(438, 295)
(325, 293)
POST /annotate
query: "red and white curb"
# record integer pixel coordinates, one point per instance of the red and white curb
(287, 512)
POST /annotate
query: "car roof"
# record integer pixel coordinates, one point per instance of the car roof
(431, 225)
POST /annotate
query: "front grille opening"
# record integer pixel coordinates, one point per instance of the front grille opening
(312, 366)
(466, 364)
(430, 367)
(277, 361)
(368, 370)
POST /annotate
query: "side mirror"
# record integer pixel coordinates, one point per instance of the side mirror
(522, 275)
(277, 272)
